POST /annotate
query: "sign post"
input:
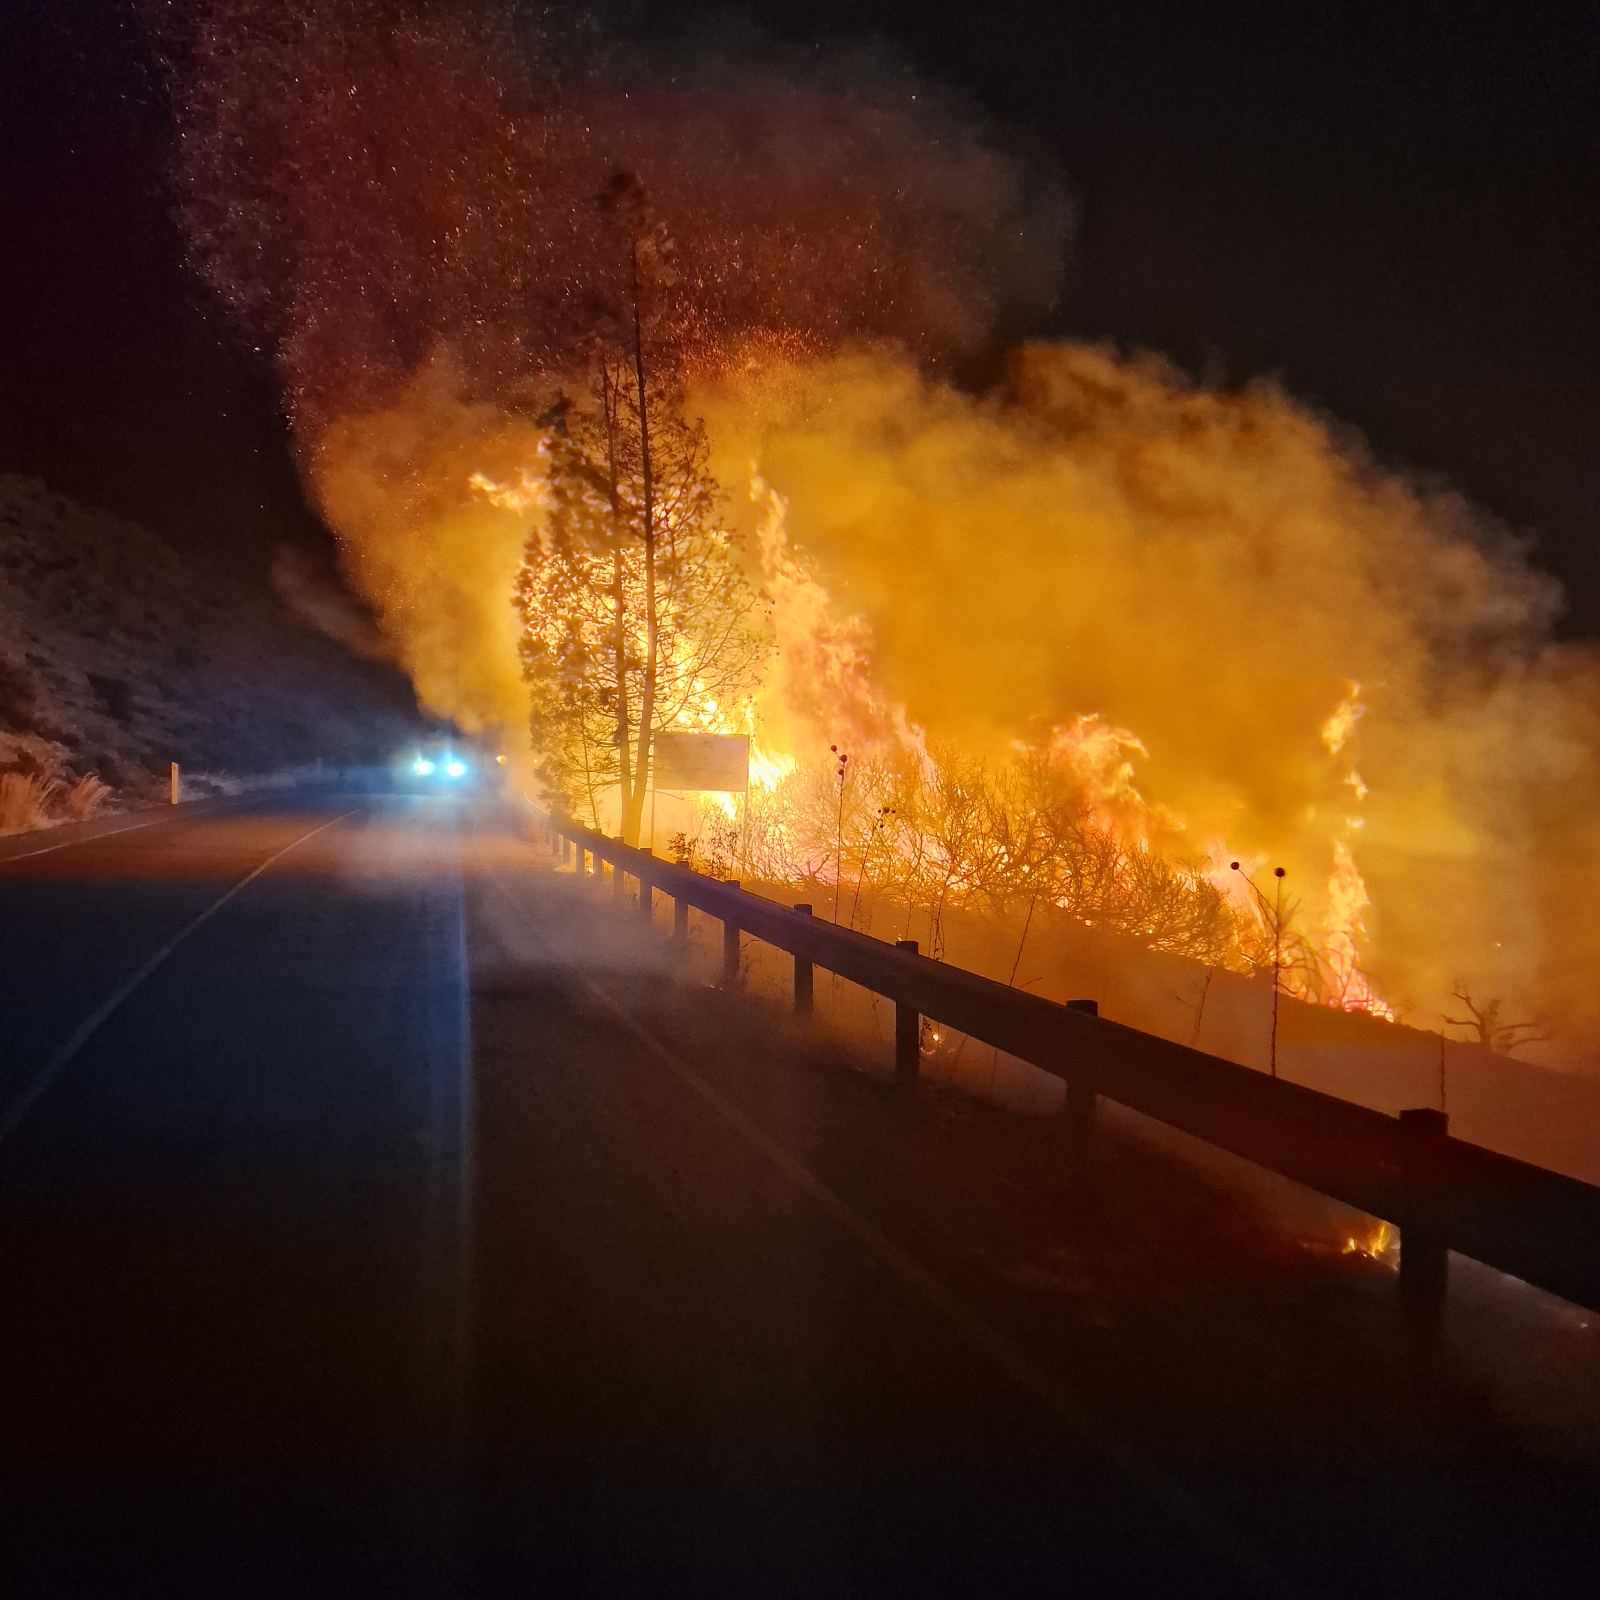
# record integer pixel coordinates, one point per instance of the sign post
(700, 763)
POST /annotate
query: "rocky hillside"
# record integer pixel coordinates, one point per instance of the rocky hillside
(118, 656)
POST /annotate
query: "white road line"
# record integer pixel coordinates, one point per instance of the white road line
(1254, 1569)
(93, 838)
(102, 1013)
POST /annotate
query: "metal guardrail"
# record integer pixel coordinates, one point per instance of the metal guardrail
(1443, 1193)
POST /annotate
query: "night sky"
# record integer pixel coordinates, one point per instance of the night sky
(1391, 209)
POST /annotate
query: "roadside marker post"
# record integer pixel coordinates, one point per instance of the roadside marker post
(907, 1033)
(1082, 1104)
(646, 896)
(1424, 1258)
(804, 991)
(730, 946)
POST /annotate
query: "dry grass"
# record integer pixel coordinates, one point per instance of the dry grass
(29, 800)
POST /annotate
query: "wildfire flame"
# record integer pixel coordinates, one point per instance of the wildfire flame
(1100, 758)
(1377, 1244)
(1344, 926)
(825, 676)
(522, 495)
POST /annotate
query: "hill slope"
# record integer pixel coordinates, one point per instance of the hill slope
(118, 656)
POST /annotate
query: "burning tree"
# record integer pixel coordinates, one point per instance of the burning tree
(632, 624)
(636, 614)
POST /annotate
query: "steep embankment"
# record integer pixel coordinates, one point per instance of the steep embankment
(118, 656)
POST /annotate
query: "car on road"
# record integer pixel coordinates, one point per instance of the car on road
(440, 766)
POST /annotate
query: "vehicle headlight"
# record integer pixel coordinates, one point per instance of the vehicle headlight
(422, 766)
(455, 768)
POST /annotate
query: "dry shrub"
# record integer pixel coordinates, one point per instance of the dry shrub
(956, 834)
(85, 798)
(25, 800)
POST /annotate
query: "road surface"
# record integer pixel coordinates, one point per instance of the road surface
(384, 1211)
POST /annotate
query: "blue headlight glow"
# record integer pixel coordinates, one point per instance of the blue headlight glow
(455, 768)
(422, 766)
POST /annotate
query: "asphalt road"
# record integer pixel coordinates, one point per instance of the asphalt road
(382, 1211)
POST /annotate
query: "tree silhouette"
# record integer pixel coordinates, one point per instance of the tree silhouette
(1484, 1021)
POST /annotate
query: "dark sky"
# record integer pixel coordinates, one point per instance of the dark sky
(1392, 208)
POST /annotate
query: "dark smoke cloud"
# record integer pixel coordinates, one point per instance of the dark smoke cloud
(365, 180)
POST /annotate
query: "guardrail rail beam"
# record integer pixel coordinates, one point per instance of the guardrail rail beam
(1443, 1193)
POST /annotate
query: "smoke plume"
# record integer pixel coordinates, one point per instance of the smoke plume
(1286, 654)
(318, 599)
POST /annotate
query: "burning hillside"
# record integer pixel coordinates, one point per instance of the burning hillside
(1103, 630)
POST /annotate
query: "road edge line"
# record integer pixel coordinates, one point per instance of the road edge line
(93, 838)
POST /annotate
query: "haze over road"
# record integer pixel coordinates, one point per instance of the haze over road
(378, 1211)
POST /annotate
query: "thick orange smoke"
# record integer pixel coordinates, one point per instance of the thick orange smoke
(1243, 638)
(1321, 665)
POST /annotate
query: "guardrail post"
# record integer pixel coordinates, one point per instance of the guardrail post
(1082, 1104)
(646, 896)
(566, 849)
(618, 887)
(803, 976)
(583, 865)
(907, 1034)
(730, 945)
(174, 783)
(1424, 1258)
(680, 920)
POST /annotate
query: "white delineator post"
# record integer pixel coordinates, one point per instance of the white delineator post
(174, 783)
